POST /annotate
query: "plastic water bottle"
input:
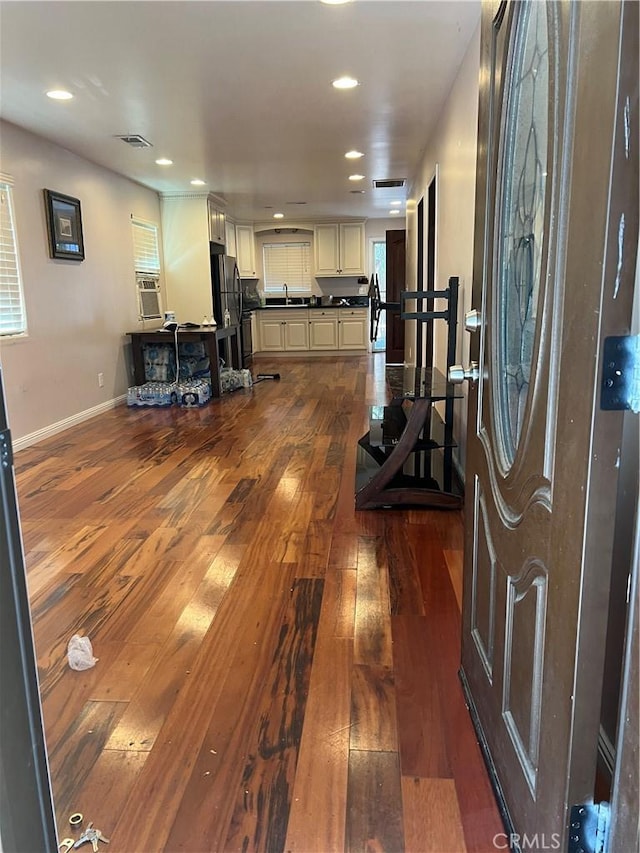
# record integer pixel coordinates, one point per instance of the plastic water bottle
(227, 318)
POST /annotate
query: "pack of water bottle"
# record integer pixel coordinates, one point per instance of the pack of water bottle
(232, 379)
(153, 394)
(193, 393)
(190, 393)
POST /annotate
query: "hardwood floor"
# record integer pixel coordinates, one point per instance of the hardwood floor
(276, 671)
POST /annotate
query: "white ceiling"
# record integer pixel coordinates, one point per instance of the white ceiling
(238, 93)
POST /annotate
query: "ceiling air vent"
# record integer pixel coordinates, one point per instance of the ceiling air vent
(388, 183)
(134, 140)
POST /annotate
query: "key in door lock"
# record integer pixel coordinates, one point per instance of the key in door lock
(458, 373)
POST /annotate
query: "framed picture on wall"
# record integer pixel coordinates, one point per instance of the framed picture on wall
(64, 226)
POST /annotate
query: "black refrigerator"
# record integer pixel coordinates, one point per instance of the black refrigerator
(227, 292)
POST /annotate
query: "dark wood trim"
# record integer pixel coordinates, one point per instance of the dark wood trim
(26, 809)
(488, 761)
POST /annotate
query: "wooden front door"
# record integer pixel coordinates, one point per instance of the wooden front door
(396, 283)
(555, 253)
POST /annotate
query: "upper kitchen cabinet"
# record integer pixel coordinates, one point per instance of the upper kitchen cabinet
(217, 222)
(230, 239)
(246, 248)
(339, 248)
(186, 237)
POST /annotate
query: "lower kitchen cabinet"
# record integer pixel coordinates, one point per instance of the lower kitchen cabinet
(353, 328)
(284, 331)
(296, 332)
(323, 329)
(271, 336)
(313, 330)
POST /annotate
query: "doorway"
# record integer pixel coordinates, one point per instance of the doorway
(379, 267)
(395, 284)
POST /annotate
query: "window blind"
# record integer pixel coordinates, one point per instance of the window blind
(286, 263)
(146, 252)
(13, 320)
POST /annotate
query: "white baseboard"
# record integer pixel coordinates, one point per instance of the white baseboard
(60, 426)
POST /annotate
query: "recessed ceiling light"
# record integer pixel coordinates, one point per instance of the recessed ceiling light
(334, 2)
(394, 212)
(278, 215)
(345, 83)
(395, 203)
(356, 177)
(196, 182)
(357, 192)
(163, 161)
(354, 155)
(59, 95)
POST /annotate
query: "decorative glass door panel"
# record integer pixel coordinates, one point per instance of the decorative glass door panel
(520, 223)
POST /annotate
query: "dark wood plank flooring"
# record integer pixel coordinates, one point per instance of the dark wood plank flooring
(276, 671)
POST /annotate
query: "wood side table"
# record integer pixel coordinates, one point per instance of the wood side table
(223, 343)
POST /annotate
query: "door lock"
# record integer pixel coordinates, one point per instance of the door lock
(472, 320)
(458, 373)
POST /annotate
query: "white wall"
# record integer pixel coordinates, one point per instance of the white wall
(452, 149)
(77, 313)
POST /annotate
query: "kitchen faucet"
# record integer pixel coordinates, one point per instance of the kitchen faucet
(286, 293)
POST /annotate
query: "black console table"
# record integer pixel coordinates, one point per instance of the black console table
(406, 457)
(219, 343)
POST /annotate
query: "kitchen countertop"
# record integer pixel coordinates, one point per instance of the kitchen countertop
(279, 306)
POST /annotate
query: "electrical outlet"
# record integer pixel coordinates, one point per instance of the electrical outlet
(101, 380)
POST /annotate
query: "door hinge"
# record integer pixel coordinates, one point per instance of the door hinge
(588, 828)
(621, 373)
(6, 455)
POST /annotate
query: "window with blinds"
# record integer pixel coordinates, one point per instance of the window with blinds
(13, 319)
(287, 263)
(146, 252)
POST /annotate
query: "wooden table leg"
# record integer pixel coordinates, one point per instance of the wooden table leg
(214, 364)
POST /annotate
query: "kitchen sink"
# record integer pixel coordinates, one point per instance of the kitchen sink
(292, 302)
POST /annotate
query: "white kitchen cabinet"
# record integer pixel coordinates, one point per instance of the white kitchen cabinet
(217, 219)
(246, 246)
(271, 335)
(187, 255)
(352, 252)
(284, 331)
(230, 238)
(353, 328)
(323, 329)
(312, 330)
(296, 331)
(339, 249)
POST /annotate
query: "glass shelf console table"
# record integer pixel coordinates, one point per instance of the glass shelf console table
(406, 457)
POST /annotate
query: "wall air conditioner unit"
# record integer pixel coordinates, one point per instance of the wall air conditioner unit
(149, 297)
